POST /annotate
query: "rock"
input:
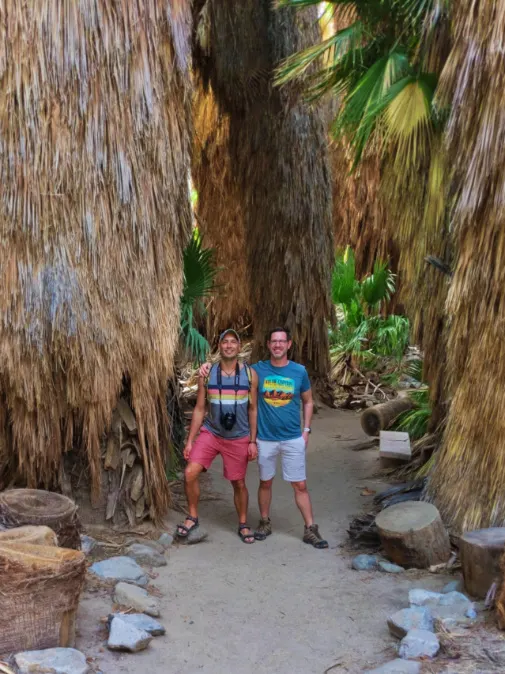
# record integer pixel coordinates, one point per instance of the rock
(196, 536)
(126, 637)
(420, 597)
(120, 568)
(145, 554)
(141, 622)
(418, 617)
(365, 562)
(52, 661)
(453, 599)
(88, 544)
(137, 598)
(155, 545)
(453, 586)
(419, 644)
(165, 540)
(397, 667)
(388, 567)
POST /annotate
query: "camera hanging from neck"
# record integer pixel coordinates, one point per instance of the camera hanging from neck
(228, 419)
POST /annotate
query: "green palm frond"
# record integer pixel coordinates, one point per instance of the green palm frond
(379, 286)
(344, 284)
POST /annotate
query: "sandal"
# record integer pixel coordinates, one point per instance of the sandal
(244, 537)
(183, 531)
(312, 536)
(264, 529)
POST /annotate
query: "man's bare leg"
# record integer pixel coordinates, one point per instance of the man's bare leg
(241, 499)
(302, 498)
(192, 490)
(265, 498)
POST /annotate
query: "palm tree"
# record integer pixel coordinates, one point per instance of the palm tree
(95, 214)
(278, 160)
(382, 65)
(467, 483)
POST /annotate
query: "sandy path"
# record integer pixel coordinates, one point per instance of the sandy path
(279, 606)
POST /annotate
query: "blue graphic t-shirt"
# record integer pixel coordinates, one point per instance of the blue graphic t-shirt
(279, 390)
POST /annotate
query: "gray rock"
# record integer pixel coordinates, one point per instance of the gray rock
(388, 567)
(420, 597)
(145, 554)
(197, 536)
(120, 568)
(137, 598)
(397, 667)
(453, 586)
(141, 622)
(454, 599)
(52, 661)
(419, 644)
(365, 562)
(155, 545)
(88, 544)
(165, 540)
(418, 617)
(126, 637)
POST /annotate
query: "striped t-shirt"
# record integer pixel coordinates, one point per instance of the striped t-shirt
(213, 419)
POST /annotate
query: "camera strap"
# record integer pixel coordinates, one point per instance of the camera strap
(220, 386)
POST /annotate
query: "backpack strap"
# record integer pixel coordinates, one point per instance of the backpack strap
(249, 375)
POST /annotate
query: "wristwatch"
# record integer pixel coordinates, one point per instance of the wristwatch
(307, 430)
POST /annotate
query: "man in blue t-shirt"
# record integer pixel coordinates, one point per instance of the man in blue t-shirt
(282, 387)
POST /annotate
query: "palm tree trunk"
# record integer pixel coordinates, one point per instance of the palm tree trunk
(468, 479)
(279, 160)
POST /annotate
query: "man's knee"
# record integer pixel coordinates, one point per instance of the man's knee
(238, 485)
(192, 472)
(266, 484)
(300, 487)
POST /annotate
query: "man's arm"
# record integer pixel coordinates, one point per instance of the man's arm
(308, 409)
(197, 418)
(253, 417)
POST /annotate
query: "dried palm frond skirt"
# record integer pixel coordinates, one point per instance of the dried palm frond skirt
(39, 595)
(29, 534)
(37, 507)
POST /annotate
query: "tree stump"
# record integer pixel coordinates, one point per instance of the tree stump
(413, 535)
(480, 553)
(380, 417)
(20, 507)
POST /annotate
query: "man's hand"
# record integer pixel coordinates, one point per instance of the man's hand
(187, 449)
(204, 370)
(305, 436)
(252, 451)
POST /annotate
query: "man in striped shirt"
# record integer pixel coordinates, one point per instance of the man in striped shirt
(228, 429)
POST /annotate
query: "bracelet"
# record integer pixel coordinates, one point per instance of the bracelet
(253, 442)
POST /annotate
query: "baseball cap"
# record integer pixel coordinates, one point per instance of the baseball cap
(227, 332)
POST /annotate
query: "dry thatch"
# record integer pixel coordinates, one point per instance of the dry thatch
(219, 212)
(278, 157)
(94, 128)
(468, 480)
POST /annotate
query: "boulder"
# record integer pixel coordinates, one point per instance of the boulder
(165, 540)
(388, 567)
(141, 622)
(136, 598)
(120, 569)
(88, 544)
(453, 586)
(145, 554)
(365, 562)
(124, 636)
(420, 597)
(419, 644)
(52, 661)
(418, 617)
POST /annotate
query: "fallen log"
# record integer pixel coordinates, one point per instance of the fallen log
(380, 417)
(480, 553)
(413, 535)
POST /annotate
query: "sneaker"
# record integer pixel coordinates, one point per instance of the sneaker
(312, 536)
(264, 529)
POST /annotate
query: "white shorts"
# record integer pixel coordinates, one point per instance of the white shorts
(292, 456)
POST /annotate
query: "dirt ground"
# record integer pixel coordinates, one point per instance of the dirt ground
(274, 607)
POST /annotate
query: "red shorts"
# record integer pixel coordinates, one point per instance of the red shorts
(234, 452)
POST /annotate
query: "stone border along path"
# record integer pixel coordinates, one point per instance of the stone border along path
(279, 606)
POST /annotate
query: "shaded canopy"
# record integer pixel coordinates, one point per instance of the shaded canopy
(94, 214)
